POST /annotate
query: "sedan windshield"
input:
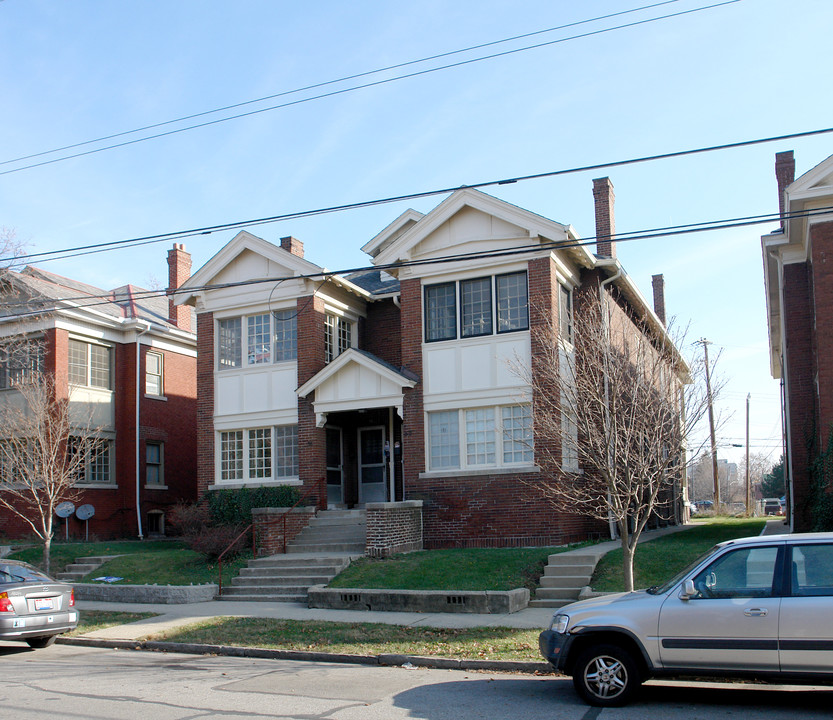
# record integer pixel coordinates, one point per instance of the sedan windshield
(11, 573)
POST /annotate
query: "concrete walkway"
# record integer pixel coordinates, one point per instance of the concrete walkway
(172, 616)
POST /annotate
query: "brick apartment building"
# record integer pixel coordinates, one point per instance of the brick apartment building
(92, 341)
(396, 384)
(798, 278)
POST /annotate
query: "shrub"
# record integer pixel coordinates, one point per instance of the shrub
(234, 507)
(188, 519)
(213, 541)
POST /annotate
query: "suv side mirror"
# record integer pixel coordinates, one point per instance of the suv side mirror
(689, 591)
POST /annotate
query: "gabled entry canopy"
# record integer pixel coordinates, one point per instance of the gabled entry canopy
(356, 380)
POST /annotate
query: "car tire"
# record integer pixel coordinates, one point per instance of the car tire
(41, 642)
(606, 675)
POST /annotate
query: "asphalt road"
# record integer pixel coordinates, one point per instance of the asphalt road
(67, 681)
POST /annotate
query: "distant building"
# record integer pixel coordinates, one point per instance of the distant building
(798, 274)
(106, 349)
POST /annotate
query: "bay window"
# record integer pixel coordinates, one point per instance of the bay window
(259, 454)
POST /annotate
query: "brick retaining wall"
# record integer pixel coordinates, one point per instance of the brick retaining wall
(393, 527)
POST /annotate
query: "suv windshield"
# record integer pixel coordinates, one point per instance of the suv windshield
(666, 586)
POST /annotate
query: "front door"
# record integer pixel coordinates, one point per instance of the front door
(732, 622)
(372, 468)
(335, 468)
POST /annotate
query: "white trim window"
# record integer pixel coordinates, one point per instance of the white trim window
(568, 400)
(154, 376)
(20, 363)
(98, 461)
(268, 338)
(89, 365)
(485, 306)
(259, 454)
(472, 438)
(339, 336)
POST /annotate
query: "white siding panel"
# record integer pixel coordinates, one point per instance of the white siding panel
(478, 367)
(227, 397)
(256, 392)
(284, 381)
(440, 369)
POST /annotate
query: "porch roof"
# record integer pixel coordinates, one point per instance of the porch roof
(356, 380)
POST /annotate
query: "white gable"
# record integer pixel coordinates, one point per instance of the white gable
(815, 182)
(248, 265)
(469, 230)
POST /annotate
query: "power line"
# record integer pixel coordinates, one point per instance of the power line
(106, 298)
(326, 83)
(363, 86)
(207, 230)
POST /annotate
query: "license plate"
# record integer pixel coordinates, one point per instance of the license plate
(44, 604)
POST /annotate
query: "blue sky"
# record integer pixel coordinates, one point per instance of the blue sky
(74, 71)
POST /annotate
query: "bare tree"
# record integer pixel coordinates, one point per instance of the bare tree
(11, 248)
(613, 413)
(45, 443)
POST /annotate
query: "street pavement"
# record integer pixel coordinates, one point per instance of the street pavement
(172, 616)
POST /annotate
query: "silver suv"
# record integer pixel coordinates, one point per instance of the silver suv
(760, 606)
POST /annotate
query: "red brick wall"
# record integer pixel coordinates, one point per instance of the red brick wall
(413, 432)
(380, 332)
(205, 401)
(800, 376)
(312, 459)
(393, 528)
(269, 527)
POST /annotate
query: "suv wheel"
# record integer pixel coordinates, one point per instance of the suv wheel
(606, 675)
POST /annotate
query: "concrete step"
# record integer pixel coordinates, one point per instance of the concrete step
(565, 581)
(281, 580)
(295, 571)
(569, 570)
(300, 597)
(323, 548)
(554, 604)
(328, 535)
(260, 590)
(566, 594)
(300, 560)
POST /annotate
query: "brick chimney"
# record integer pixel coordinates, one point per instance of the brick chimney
(605, 223)
(179, 270)
(658, 283)
(292, 245)
(785, 175)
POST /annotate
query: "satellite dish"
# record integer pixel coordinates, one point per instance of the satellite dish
(65, 509)
(85, 512)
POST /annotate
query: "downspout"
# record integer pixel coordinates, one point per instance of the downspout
(785, 406)
(603, 301)
(138, 417)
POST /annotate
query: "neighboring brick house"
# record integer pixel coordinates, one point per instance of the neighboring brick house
(91, 340)
(798, 275)
(398, 383)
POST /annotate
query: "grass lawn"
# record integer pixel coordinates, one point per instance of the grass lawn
(659, 560)
(462, 569)
(149, 562)
(360, 638)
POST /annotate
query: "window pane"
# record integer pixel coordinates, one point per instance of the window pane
(480, 436)
(229, 343)
(517, 433)
(812, 570)
(512, 302)
(153, 374)
(99, 463)
(100, 366)
(259, 340)
(743, 573)
(565, 314)
(443, 440)
(440, 312)
(286, 335)
(153, 463)
(476, 307)
(77, 362)
(338, 336)
(286, 451)
(260, 453)
(231, 455)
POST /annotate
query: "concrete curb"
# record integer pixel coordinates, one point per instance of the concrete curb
(386, 660)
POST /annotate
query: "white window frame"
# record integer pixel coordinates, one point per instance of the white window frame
(157, 387)
(89, 370)
(90, 464)
(248, 341)
(339, 335)
(260, 455)
(493, 322)
(476, 439)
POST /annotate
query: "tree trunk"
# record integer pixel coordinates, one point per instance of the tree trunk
(47, 547)
(628, 552)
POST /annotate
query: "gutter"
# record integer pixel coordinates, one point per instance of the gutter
(139, 333)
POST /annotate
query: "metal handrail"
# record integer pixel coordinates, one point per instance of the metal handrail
(231, 545)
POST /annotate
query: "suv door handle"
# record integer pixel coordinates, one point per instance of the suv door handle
(755, 612)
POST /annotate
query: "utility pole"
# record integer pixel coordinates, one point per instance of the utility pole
(715, 476)
(748, 483)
